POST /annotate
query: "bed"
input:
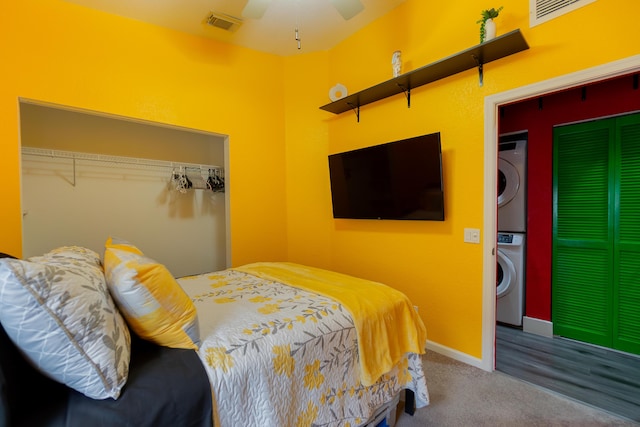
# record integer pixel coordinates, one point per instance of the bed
(264, 339)
(280, 344)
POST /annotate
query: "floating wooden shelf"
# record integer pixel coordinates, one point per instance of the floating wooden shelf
(476, 56)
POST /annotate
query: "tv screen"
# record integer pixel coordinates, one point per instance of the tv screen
(397, 180)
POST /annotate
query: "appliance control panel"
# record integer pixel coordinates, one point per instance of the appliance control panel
(509, 239)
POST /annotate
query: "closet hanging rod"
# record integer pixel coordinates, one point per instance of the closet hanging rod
(76, 155)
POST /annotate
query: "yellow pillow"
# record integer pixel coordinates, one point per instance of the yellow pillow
(148, 296)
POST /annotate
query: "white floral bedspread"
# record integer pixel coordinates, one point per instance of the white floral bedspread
(281, 356)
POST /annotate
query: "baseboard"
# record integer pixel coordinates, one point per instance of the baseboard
(454, 354)
(537, 326)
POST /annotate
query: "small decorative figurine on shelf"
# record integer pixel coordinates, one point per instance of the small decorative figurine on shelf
(487, 25)
(396, 63)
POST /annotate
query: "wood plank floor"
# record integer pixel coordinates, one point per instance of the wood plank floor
(600, 377)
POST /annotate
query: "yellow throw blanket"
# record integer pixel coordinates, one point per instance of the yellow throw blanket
(386, 324)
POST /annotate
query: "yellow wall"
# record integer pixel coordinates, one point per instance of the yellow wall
(308, 194)
(428, 260)
(56, 52)
(60, 53)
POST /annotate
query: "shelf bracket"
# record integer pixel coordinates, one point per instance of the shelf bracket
(356, 109)
(407, 93)
(480, 69)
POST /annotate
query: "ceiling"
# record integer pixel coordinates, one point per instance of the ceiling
(320, 25)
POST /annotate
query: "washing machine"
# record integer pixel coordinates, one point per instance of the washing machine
(510, 277)
(512, 186)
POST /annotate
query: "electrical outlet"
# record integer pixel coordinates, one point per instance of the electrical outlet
(472, 235)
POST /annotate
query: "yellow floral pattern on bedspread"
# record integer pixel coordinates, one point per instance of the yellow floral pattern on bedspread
(281, 356)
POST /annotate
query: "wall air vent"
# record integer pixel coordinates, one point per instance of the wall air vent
(544, 10)
(223, 21)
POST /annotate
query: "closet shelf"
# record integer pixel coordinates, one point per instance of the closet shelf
(476, 56)
(110, 159)
(214, 180)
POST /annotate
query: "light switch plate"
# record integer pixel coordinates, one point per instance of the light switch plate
(472, 235)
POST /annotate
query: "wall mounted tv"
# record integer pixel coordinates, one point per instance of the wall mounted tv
(398, 180)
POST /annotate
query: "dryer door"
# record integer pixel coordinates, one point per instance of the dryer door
(508, 182)
(505, 275)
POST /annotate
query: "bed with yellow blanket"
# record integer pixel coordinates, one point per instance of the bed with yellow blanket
(290, 345)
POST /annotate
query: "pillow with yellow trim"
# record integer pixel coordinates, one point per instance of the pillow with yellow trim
(148, 296)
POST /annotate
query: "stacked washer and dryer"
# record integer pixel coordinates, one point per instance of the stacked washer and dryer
(512, 227)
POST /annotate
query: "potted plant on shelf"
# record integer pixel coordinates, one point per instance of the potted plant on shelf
(487, 26)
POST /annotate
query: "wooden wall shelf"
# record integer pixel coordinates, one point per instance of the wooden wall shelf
(476, 56)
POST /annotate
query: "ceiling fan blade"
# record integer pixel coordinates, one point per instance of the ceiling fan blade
(348, 8)
(255, 9)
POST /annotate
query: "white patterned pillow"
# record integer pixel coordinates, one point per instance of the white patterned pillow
(56, 308)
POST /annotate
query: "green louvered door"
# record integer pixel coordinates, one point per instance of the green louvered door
(626, 297)
(596, 232)
(582, 233)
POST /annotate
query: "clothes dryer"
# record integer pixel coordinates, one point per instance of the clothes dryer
(512, 186)
(510, 278)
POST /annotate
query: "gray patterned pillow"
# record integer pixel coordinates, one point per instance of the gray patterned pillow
(56, 308)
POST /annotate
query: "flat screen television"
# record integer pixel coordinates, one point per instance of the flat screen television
(399, 180)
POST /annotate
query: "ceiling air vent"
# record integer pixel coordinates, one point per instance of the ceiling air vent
(544, 10)
(223, 21)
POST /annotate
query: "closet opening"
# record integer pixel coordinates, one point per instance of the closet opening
(115, 176)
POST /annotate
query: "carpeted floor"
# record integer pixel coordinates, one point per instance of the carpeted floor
(462, 395)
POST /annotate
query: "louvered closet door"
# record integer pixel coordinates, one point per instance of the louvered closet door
(582, 232)
(627, 251)
(596, 232)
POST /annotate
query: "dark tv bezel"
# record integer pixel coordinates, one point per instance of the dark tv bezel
(436, 215)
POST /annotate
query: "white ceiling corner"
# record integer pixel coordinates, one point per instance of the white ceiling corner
(320, 24)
